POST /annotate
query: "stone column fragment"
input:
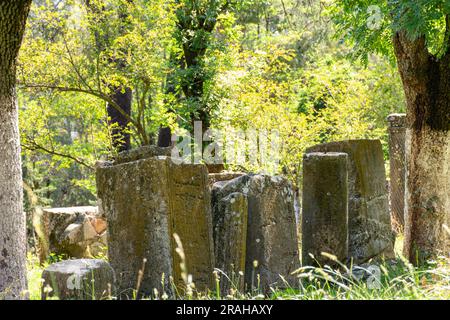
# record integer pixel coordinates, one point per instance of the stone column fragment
(397, 156)
(230, 216)
(325, 208)
(146, 202)
(83, 279)
(271, 245)
(370, 230)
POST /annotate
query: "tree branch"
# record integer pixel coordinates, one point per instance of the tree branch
(34, 147)
(139, 129)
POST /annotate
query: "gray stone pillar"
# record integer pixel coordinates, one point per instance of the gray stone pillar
(230, 216)
(369, 221)
(271, 244)
(397, 136)
(147, 201)
(325, 208)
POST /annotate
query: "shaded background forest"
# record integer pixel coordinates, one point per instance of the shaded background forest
(268, 64)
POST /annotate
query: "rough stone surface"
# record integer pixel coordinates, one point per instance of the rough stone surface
(230, 215)
(271, 228)
(215, 168)
(191, 219)
(397, 156)
(77, 232)
(223, 176)
(370, 231)
(325, 208)
(143, 152)
(146, 202)
(84, 279)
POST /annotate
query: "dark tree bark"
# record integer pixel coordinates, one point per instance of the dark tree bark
(194, 28)
(119, 122)
(164, 137)
(426, 81)
(119, 114)
(123, 97)
(13, 16)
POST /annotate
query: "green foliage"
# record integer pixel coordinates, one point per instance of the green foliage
(399, 281)
(369, 25)
(309, 98)
(62, 136)
(254, 64)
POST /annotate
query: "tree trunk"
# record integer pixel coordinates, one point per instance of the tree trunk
(119, 114)
(119, 122)
(13, 15)
(426, 81)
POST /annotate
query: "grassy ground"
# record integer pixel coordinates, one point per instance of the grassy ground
(385, 280)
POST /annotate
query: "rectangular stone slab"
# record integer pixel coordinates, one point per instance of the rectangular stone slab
(324, 208)
(271, 244)
(134, 198)
(370, 231)
(230, 215)
(146, 202)
(190, 218)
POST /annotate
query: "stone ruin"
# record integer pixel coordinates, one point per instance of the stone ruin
(325, 208)
(255, 230)
(76, 232)
(244, 225)
(369, 223)
(397, 137)
(147, 198)
(83, 279)
(146, 202)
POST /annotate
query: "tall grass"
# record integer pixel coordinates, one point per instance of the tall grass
(397, 279)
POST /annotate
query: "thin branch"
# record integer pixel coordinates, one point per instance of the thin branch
(286, 13)
(74, 66)
(140, 130)
(34, 147)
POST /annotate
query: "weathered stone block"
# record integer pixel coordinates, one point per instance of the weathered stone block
(146, 202)
(84, 279)
(230, 216)
(397, 156)
(191, 218)
(77, 232)
(271, 228)
(370, 231)
(325, 208)
(140, 153)
(223, 176)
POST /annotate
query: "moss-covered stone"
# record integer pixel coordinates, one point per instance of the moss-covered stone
(325, 208)
(230, 215)
(271, 244)
(370, 231)
(147, 201)
(83, 279)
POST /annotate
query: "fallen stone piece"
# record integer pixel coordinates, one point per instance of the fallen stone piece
(271, 244)
(370, 231)
(146, 202)
(325, 208)
(83, 279)
(75, 232)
